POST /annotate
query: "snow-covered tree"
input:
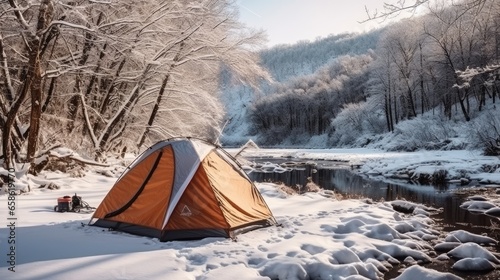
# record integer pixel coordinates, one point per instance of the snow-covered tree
(100, 76)
(306, 105)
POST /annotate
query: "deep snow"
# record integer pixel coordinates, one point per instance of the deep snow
(319, 237)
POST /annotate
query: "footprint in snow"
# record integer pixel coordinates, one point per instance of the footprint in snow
(262, 248)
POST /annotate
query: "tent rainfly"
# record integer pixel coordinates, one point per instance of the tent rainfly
(183, 188)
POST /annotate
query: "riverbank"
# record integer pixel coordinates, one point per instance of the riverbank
(461, 166)
(468, 174)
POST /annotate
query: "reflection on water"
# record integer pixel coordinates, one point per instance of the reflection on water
(352, 185)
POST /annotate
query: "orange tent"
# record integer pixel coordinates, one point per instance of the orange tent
(183, 188)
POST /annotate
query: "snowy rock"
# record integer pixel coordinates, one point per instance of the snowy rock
(477, 206)
(494, 212)
(49, 186)
(472, 250)
(398, 251)
(409, 261)
(477, 198)
(464, 237)
(413, 244)
(409, 207)
(429, 174)
(404, 227)
(379, 265)
(446, 246)
(421, 235)
(418, 272)
(464, 181)
(420, 211)
(473, 264)
(344, 256)
(403, 206)
(443, 257)
(383, 232)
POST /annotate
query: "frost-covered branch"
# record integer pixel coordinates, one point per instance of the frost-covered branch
(68, 24)
(87, 121)
(470, 73)
(391, 9)
(19, 15)
(7, 80)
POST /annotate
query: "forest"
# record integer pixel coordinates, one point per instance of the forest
(107, 77)
(424, 81)
(104, 78)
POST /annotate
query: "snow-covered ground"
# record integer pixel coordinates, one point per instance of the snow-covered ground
(319, 237)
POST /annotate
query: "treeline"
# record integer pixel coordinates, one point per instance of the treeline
(115, 76)
(446, 62)
(305, 106)
(286, 63)
(304, 58)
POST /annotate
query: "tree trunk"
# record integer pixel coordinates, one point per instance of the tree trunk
(461, 99)
(396, 112)
(50, 93)
(118, 117)
(74, 101)
(161, 93)
(44, 17)
(36, 109)
(154, 112)
(11, 116)
(422, 91)
(109, 92)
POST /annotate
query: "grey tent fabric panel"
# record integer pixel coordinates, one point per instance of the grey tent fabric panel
(186, 159)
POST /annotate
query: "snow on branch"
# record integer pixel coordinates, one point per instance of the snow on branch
(69, 24)
(394, 9)
(470, 73)
(76, 158)
(100, 1)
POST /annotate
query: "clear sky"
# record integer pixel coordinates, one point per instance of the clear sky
(289, 21)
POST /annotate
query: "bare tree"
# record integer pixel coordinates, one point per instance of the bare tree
(394, 8)
(34, 39)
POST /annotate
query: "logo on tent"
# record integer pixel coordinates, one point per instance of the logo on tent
(186, 211)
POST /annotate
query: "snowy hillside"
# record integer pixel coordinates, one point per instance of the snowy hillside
(285, 63)
(411, 85)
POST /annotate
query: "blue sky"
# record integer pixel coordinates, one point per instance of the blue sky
(289, 21)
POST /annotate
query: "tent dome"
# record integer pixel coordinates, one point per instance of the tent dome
(183, 188)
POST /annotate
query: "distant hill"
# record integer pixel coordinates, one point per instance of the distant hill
(286, 62)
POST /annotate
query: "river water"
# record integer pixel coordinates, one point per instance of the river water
(341, 179)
